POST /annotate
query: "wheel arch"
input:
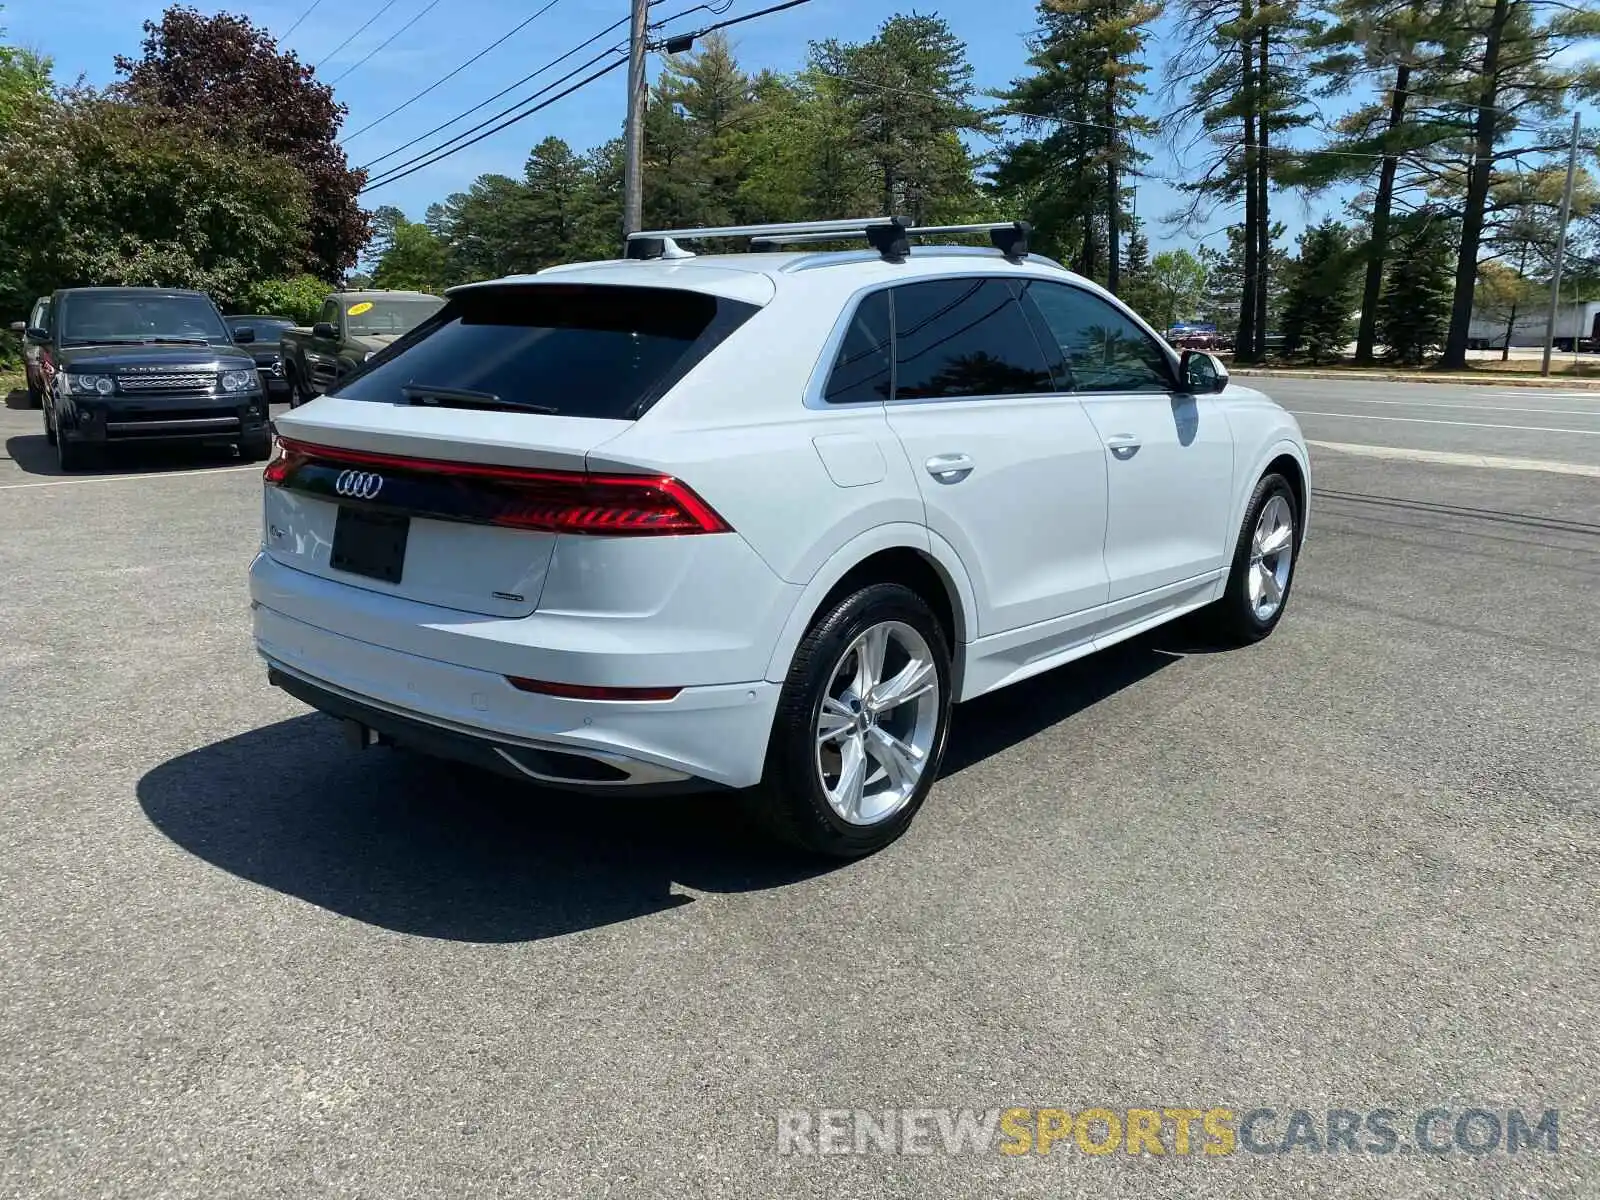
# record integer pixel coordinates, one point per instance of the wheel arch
(900, 553)
(1288, 457)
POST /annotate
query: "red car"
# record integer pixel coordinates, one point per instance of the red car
(33, 336)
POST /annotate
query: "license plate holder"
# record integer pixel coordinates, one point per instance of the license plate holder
(369, 543)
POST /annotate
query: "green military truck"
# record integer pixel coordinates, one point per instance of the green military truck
(351, 328)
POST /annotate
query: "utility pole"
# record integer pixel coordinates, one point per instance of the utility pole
(1561, 250)
(633, 161)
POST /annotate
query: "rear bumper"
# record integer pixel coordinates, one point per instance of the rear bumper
(715, 734)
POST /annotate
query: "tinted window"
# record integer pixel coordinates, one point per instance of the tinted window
(573, 350)
(139, 316)
(861, 370)
(330, 313)
(1104, 351)
(964, 337)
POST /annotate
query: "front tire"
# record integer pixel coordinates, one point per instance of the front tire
(256, 449)
(1264, 559)
(75, 456)
(861, 725)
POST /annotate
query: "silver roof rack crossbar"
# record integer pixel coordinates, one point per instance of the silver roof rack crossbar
(890, 236)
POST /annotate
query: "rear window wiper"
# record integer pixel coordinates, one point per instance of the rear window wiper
(444, 397)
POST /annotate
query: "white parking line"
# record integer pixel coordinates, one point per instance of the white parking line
(1453, 459)
(203, 472)
(1305, 412)
(1569, 412)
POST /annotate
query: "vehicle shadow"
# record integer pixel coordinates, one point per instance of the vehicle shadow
(432, 849)
(36, 456)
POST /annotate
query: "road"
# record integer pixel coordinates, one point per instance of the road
(1352, 867)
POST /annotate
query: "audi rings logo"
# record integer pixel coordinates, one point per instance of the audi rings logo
(359, 485)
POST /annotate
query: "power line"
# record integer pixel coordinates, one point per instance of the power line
(285, 34)
(355, 35)
(432, 4)
(384, 176)
(546, 104)
(503, 91)
(747, 17)
(451, 75)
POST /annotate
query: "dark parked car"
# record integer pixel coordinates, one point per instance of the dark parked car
(32, 347)
(123, 365)
(264, 348)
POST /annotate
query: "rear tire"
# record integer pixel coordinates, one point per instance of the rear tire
(298, 393)
(846, 773)
(1264, 561)
(35, 396)
(256, 449)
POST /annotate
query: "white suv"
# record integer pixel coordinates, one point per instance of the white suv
(757, 519)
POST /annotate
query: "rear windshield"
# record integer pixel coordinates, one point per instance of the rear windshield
(567, 349)
(88, 317)
(381, 317)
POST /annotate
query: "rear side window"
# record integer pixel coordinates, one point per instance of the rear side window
(573, 350)
(861, 370)
(964, 337)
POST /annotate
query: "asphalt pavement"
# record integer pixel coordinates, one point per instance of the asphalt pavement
(1354, 867)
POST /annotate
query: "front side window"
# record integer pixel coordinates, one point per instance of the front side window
(964, 337)
(1103, 350)
(861, 371)
(571, 350)
(91, 317)
(330, 313)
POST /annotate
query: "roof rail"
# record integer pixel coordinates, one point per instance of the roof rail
(889, 236)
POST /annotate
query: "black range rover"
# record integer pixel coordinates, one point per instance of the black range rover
(124, 365)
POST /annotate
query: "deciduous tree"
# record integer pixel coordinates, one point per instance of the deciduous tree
(224, 77)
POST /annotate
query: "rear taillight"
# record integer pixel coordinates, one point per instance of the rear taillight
(576, 502)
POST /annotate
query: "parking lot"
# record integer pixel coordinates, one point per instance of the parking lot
(1353, 867)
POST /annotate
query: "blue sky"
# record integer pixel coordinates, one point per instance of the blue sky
(82, 36)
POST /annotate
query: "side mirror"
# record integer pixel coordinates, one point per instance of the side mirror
(323, 329)
(19, 327)
(1202, 373)
(242, 336)
(34, 333)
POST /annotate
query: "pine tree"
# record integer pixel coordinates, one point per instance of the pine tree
(1414, 312)
(1502, 75)
(907, 100)
(1077, 113)
(1381, 43)
(1321, 295)
(1239, 77)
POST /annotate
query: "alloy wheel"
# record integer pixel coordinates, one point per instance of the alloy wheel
(876, 724)
(1271, 557)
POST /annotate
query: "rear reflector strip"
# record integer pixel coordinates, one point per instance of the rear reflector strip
(578, 691)
(578, 502)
